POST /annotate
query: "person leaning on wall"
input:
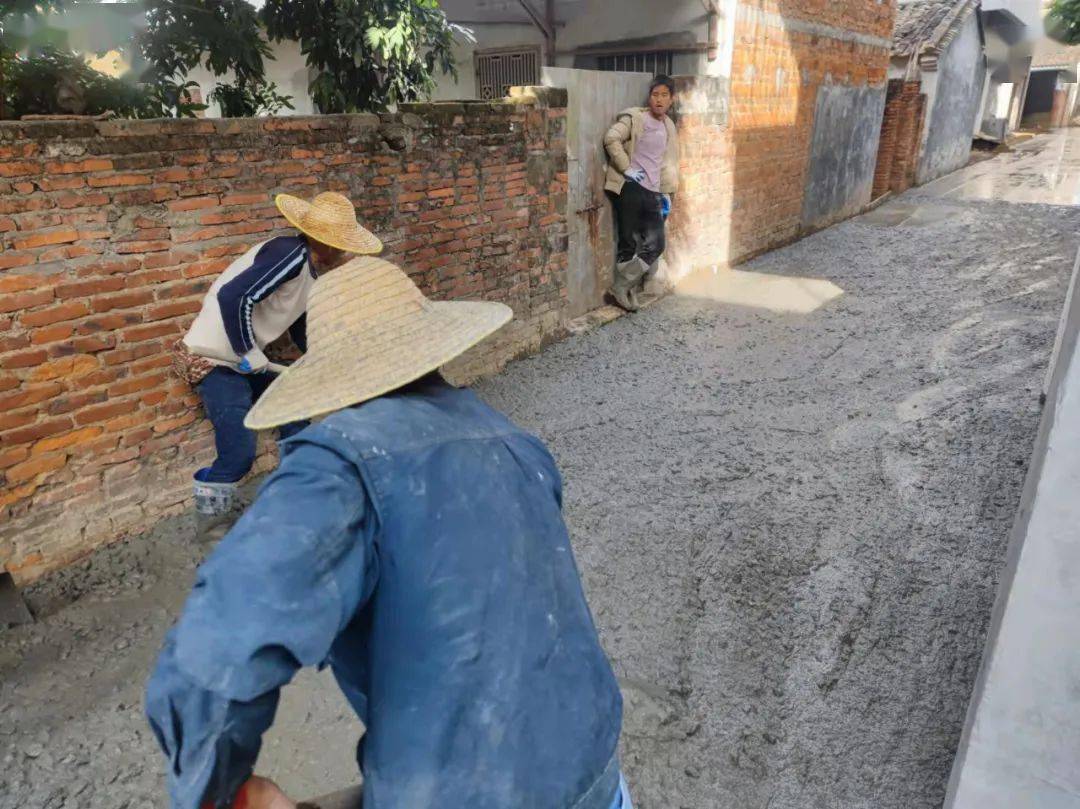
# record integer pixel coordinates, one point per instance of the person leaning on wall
(643, 172)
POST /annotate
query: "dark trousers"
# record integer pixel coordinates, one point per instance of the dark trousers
(227, 397)
(640, 222)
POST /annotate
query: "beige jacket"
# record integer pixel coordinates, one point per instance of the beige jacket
(620, 142)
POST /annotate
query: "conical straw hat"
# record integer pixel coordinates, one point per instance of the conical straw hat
(331, 219)
(370, 331)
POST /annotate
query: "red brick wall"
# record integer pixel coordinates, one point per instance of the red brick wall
(112, 232)
(901, 134)
(744, 172)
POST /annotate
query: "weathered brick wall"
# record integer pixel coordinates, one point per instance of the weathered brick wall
(745, 157)
(112, 232)
(901, 134)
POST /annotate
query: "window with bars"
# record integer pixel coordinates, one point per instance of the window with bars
(655, 62)
(499, 70)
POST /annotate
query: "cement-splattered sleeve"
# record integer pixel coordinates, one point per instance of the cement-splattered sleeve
(272, 598)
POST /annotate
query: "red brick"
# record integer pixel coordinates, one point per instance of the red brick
(84, 200)
(92, 345)
(104, 412)
(61, 236)
(132, 439)
(11, 259)
(41, 465)
(64, 368)
(108, 323)
(243, 199)
(117, 180)
(28, 396)
(25, 300)
(43, 429)
(143, 247)
(123, 300)
(102, 376)
(11, 420)
(10, 457)
(95, 164)
(173, 424)
(78, 289)
(110, 267)
(13, 342)
(163, 361)
(201, 268)
(55, 314)
(50, 184)
(131, 352)
(122, 424)
(193, 204)
(76, 401)
(183, 289)
(24, 359)
(137, 334)
(154, 398)
(67, 440)
(51, 334)
(137, 384)
(18, 168)
(175, 309)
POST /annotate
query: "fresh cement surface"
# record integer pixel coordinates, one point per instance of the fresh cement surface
(789, 487)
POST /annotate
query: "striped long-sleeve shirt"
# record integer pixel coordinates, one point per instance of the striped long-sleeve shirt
(258, 298)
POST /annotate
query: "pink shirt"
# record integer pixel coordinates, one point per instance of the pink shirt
(649, 151)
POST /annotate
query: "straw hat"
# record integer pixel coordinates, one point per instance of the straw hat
(370, 331)
(331, 219)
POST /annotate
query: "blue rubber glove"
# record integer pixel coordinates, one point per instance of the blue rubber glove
(254, 362)
(637, 175)
(665, 206)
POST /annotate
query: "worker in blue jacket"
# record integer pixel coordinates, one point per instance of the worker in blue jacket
(412, 540)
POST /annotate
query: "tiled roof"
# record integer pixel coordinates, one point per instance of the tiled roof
(928, 24)
(1049, 53)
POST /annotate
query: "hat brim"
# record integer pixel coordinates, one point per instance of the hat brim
(354, 239)
(314, 386)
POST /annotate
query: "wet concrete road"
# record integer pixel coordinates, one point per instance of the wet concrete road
(789, 488)
(1043, 170)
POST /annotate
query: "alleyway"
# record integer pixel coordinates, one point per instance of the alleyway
(790, 489)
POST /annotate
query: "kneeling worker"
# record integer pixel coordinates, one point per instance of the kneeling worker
(261, 295)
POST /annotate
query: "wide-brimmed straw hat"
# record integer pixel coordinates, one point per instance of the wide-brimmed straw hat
(370, 331)
(331, 219)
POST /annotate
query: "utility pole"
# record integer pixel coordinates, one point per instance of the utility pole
(546, 23)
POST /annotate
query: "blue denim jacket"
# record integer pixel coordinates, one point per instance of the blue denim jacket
(415, 544)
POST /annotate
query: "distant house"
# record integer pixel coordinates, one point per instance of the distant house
(938, 45)
(1052, 89)
(1011, 28)
(515, 38)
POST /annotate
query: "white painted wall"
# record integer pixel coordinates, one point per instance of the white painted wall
(288, 70)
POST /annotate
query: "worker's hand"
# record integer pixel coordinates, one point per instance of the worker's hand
(665, 206)
(262, 793)
(253, 362)
(637, 175)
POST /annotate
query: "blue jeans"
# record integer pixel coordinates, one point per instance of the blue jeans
(227, 397)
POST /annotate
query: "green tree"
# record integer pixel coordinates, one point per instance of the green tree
(367, 54)
(1063, 21)
(222, 35)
